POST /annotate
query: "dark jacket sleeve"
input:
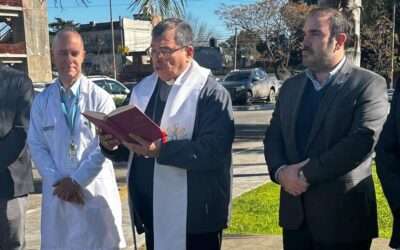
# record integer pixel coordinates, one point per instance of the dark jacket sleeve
(388, 155)
(120, 154)
(369, 115)
(274, 150)
(213, 134)
(13, 143)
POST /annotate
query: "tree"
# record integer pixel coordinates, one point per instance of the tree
(60, 24)
(376, 53)
(158, 9)
(249, 47)
(295, 16)
(277, 23)
(201, 31)
(154, 9)
(261, 17)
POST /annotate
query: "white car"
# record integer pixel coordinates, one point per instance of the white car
(116, 89)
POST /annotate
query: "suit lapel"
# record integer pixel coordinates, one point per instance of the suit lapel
(327, 100)
(294, 101)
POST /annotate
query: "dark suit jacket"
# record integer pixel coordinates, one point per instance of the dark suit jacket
(388, 163)
(339, 206)
(15, 101)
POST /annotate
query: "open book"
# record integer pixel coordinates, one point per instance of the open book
(125, 120)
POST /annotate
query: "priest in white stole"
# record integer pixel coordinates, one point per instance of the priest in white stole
(179, 190)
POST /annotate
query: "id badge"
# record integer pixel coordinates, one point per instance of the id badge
(73, 151)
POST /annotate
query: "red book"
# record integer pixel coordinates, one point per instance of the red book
(127, 120)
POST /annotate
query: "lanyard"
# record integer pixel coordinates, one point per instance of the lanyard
(70, 114)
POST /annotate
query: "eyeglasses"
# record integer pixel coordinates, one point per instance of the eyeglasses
(164, 51)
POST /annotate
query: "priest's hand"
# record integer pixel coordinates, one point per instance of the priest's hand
(143, 147)
(290, 180)
(108, 141)
(68, 190)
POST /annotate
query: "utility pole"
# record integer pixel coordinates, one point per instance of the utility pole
(235, 56)
(393, 51)
(113, 43)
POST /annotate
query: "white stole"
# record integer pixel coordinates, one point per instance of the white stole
(170, 183)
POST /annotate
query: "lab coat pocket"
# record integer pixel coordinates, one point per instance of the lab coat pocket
(48, 131)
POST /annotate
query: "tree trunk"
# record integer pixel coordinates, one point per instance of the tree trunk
(352, 8)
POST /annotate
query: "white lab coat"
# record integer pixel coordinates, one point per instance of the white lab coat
(97, 224)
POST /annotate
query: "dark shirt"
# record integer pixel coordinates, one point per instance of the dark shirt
(142, 169)
(308, 108)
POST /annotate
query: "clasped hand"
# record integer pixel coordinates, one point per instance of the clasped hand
(67, 190)
(290, 180)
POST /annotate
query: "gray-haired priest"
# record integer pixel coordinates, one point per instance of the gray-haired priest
(180, 190)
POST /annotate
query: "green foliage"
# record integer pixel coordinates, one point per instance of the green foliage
(376, 53)
(147, 7)
(60, 24)
(256, 212)
(385, 219)
(162, 8)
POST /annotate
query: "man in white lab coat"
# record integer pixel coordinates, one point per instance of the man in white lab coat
(81, 207)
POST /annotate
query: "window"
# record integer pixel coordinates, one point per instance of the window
(115, 88)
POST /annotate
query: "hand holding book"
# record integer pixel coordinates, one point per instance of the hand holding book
(124, 121)
(143, 147)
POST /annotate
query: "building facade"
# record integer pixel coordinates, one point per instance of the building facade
(24, 37)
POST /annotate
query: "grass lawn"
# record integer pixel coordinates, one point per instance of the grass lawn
(256, 212)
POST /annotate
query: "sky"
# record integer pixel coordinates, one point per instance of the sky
(98, 11)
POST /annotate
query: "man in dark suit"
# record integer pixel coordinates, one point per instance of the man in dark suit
(320, 142)
(15, 166)
(388, 164)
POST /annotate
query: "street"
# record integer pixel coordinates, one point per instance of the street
(248, 168)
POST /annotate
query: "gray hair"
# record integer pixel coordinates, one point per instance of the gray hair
(338, 21)
(183, 31)
(62, 33)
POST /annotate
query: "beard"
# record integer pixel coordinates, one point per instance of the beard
(317, 60)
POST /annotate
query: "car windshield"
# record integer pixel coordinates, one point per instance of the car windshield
(237, 77)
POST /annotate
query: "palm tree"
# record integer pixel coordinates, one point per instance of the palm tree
(60, 23)
(159, 7)
(154, 9)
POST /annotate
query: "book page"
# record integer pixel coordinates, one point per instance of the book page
(120, 110)
(96, 115)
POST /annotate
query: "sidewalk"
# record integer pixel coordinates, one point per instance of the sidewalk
(249, 172)
(272, 242)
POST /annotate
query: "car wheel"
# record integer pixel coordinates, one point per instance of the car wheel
(249, 98)
(272, 96)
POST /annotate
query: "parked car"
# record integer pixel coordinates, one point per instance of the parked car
(248, 85)
(117, 90)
